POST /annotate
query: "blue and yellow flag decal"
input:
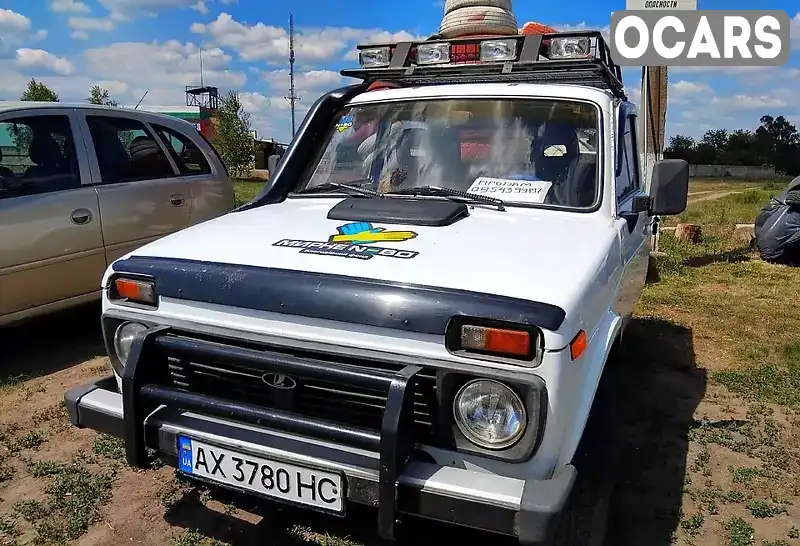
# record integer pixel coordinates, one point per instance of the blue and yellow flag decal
(356, 240)
(364, 233)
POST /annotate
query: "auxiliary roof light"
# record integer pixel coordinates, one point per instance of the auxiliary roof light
(375, 57)
(569, 48)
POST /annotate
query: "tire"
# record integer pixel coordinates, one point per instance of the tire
(452, 5)
(585, 519)
(475, 20)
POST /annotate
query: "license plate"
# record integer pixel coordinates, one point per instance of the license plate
(290, 483)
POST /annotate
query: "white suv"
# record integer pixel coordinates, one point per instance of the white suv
(416, 312)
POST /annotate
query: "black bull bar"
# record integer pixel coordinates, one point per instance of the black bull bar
(394, 442)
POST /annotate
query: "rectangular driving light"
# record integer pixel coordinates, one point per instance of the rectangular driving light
(433, 53)
(569, 48)
(375, 57)
(134, 291)
(498, 50)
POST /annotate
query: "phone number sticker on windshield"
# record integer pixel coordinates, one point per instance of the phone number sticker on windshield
(525, 191)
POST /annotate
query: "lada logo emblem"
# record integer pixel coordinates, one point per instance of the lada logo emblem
(279, 381)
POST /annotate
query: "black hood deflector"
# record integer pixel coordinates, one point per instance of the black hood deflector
(390, 210)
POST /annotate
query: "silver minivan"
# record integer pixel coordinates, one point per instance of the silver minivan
(82, 185)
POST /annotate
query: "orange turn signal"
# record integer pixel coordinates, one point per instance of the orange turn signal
(578, 345)
(135, 291)
(496, 340)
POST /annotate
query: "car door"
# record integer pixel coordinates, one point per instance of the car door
(142, 198)
(51, 242)
(634, 227)
(210, 186)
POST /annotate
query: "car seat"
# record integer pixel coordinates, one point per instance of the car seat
(45, 152)
(573, 178)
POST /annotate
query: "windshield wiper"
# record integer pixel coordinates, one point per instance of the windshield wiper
(455, 195)
(333, 186)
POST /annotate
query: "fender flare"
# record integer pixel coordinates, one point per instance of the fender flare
(599, 349)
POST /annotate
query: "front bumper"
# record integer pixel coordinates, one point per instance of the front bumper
(380, 469)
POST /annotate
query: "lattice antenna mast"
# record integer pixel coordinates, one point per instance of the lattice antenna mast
(292, 98)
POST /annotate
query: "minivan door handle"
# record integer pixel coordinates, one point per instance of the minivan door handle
(177, 200)
(81, 216)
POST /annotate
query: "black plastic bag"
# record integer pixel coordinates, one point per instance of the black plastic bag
(778, 227)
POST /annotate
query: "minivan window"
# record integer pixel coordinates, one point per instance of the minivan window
(187, 155)
(37, 155)
(126, 151)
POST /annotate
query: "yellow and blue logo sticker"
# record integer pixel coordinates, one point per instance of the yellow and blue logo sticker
(355, 240)
(345, 123)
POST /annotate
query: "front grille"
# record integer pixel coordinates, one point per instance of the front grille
(336, 402)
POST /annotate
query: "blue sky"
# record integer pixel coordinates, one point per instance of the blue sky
(133, 46)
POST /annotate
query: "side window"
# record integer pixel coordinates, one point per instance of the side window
(628, 179)
(126, 151)
(187, 155)
(37, 155)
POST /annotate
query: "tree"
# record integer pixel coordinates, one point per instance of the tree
(776, 142)
(98, 95)
(37, 91)
(680, 147)
(232, 137)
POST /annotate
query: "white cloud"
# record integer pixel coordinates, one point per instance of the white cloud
(198, 28)
(123, 10)
(69, 6)
(312, 80)
(201, 7)
(15, 30)
(91, 23)
(260, 42)
(795, 32)
(78, 35)
(32, 58)
(13, 21)
(748, 102)
(161, 69)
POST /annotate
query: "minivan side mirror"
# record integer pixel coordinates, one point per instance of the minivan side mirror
(669, 187)
(272, 163)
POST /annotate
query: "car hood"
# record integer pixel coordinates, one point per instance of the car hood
(539, 255)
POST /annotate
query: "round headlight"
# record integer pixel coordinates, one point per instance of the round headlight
(123, 339)
(489, 414)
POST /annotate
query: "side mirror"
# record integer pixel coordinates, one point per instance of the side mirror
(272, 163)
(669, 187)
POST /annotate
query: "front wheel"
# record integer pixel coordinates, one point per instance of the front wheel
(585, 518)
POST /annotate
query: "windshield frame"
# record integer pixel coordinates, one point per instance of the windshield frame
(302, 181)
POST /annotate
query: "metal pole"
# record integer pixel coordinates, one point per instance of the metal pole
(292, 98)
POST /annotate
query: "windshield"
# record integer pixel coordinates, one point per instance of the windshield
(523, 151)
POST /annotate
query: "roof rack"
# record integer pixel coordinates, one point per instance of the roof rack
(576, 57)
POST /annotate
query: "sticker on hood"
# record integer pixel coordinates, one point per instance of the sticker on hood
(354, 240)
(508, 189)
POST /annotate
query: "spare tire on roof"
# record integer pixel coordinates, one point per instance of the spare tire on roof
(452, 5)
(478, 20)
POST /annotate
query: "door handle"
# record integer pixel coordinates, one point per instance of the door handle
(177, 200)
(81, 216)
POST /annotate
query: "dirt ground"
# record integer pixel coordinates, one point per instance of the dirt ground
(708, 435)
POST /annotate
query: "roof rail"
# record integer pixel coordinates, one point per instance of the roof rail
(576, 57)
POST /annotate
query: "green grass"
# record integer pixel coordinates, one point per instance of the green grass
(719, 286)
(762, 509)
(246, 190)
(740, 533)
(75, 494)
